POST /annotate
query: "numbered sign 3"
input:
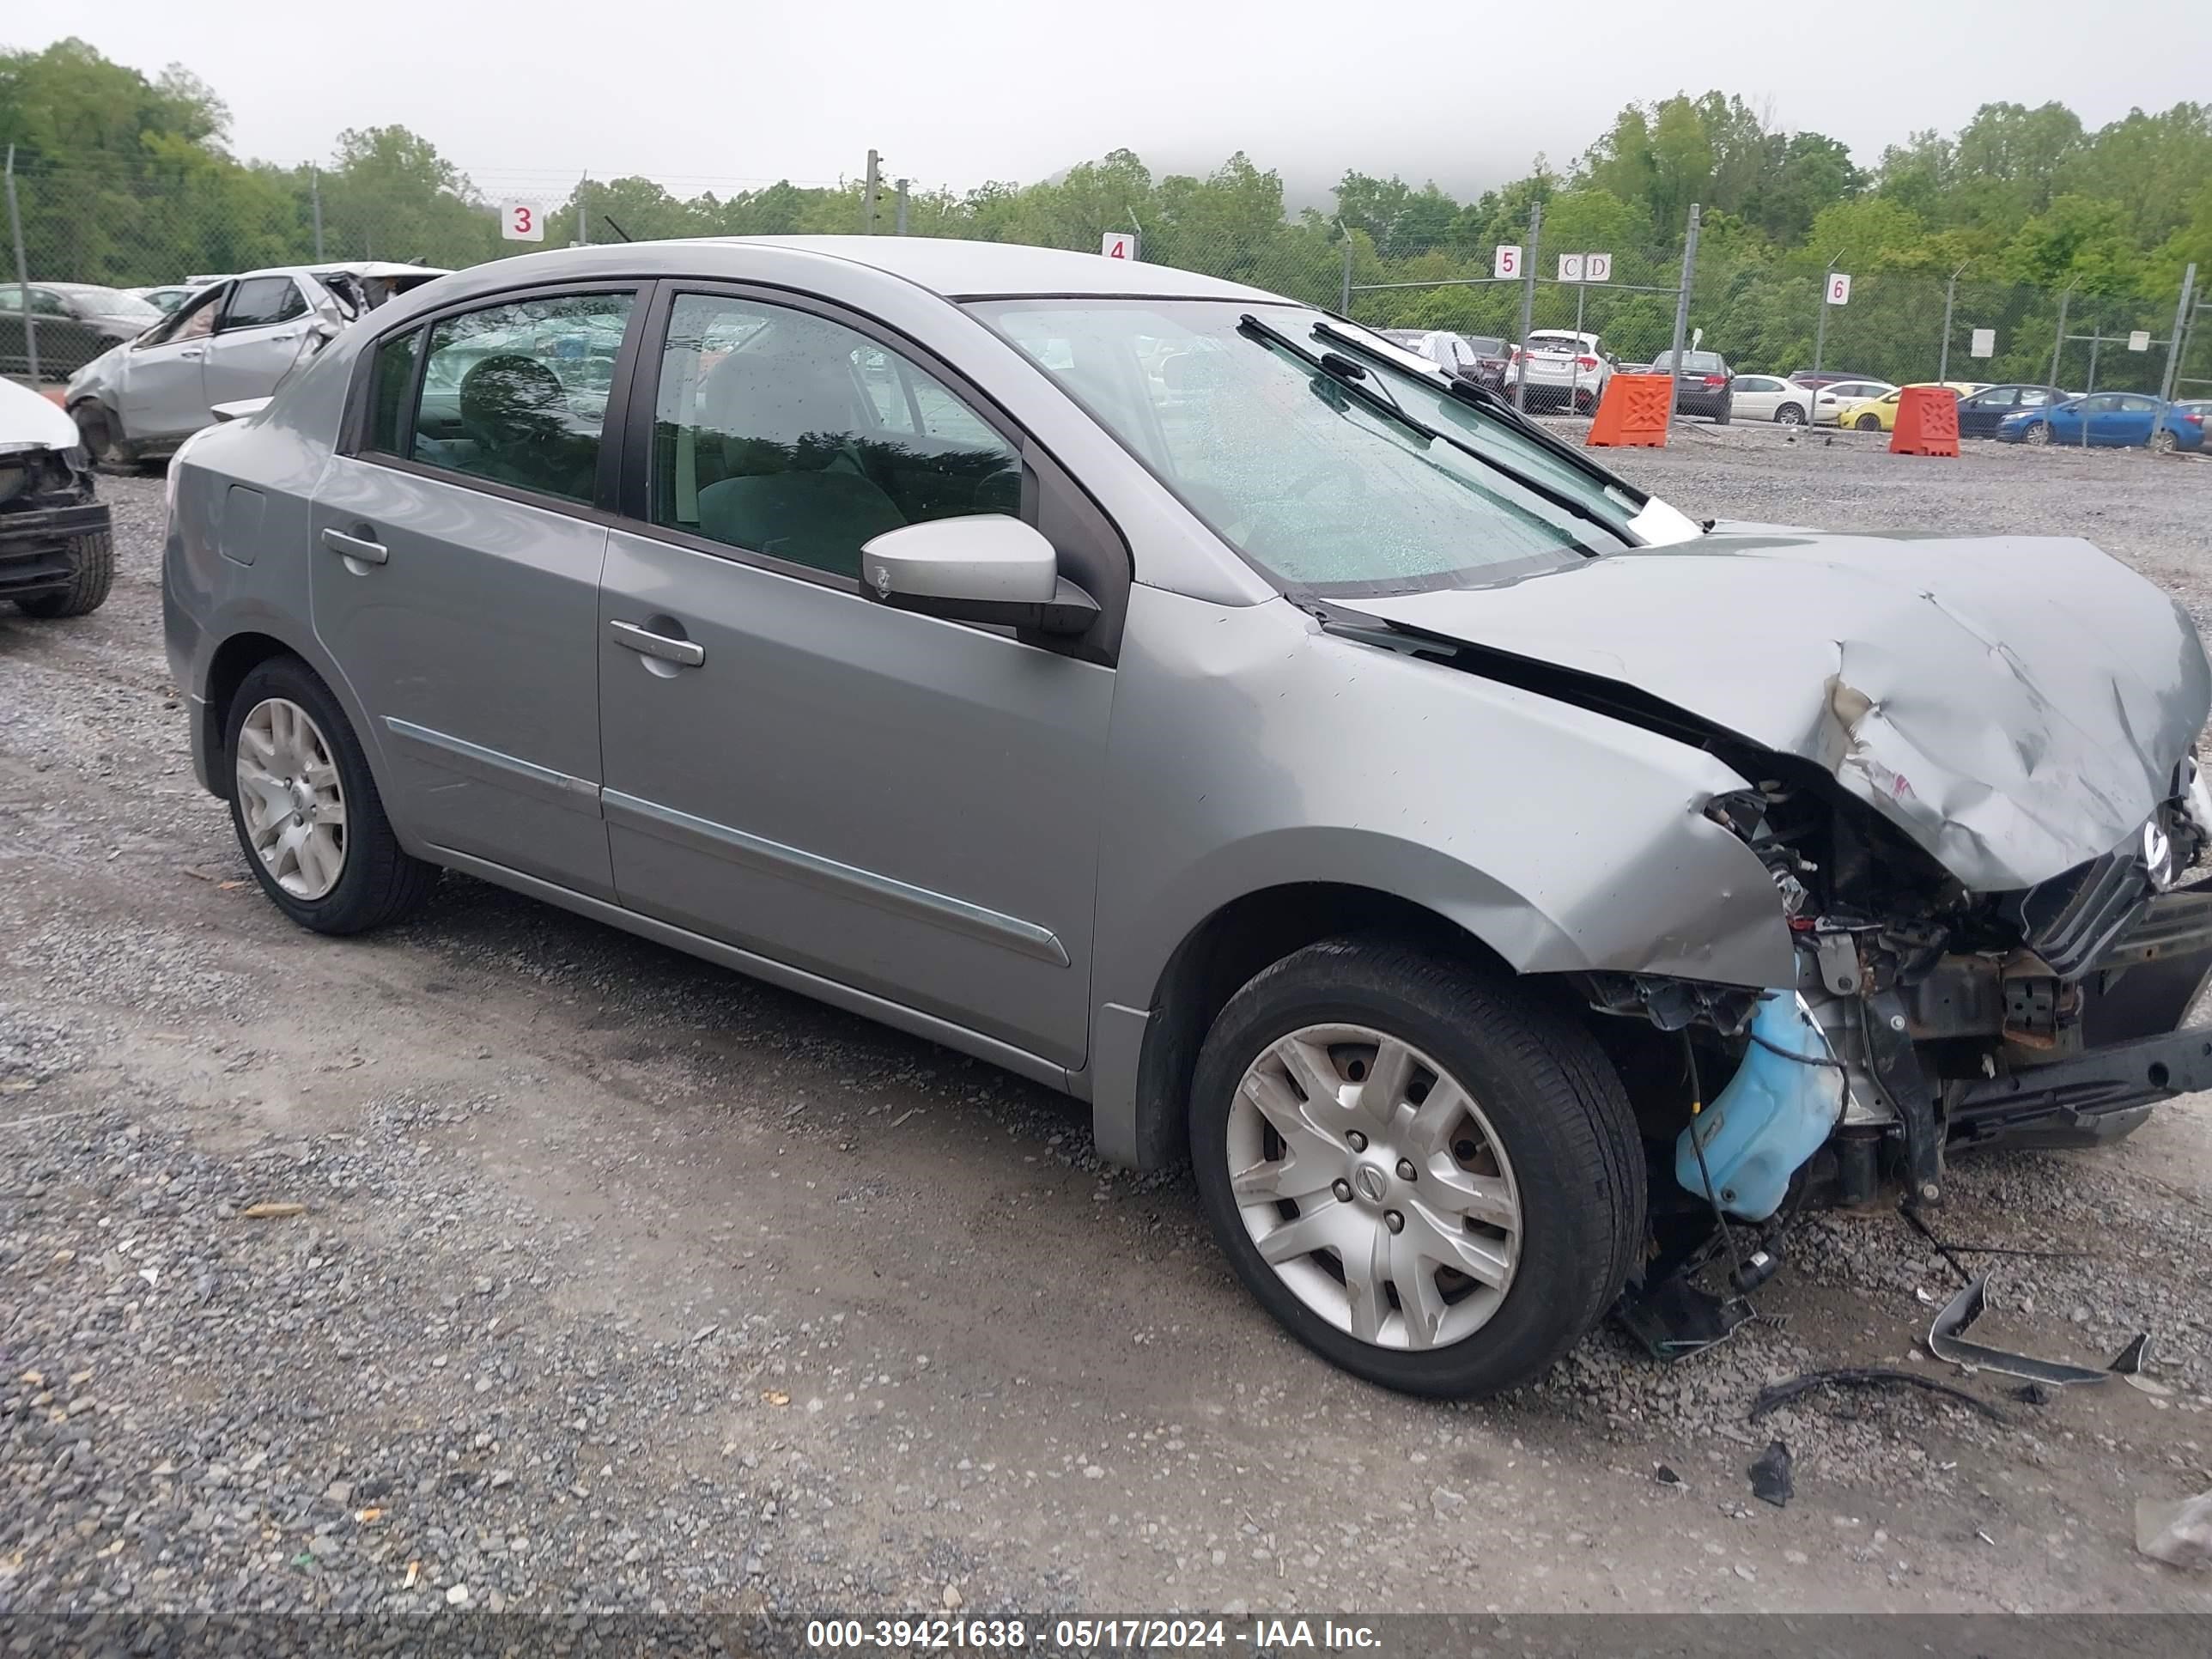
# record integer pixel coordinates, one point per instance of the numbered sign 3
(1505, 261)
(522, 221)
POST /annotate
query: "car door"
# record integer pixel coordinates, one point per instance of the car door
(897, 804)
(455, 574)
(163, 390)
(1980, 415)
(257, 338)
(2126, 422)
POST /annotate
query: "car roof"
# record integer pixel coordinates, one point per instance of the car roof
(351, 267)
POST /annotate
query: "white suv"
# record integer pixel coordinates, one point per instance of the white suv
(1564, 370)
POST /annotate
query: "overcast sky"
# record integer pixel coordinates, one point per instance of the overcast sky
(693, 92)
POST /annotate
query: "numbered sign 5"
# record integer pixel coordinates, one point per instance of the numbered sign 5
(1118, 244)
(1505, 261)
(1597, 267)
(1839, 288)
(1570, 267)
(522, 221)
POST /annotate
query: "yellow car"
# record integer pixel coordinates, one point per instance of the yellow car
(1879, 414)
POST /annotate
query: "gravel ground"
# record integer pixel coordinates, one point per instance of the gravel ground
(622, 1284)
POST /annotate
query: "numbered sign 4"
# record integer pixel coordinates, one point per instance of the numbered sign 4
(1839, 288)
(1118, 244)
(1505, 261)
(522, 221)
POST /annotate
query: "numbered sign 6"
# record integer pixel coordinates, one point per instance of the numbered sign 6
(1570, 267)
(1839, 288)
(522, 221)
(1505, 261)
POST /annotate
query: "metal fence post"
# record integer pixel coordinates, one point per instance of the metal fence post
(1528, 305)
(2058, 344)
(898, 220)
(1682, 305)
(22, 274)
(2180, 326)
(1943, 357)
(1344, 289)
(1820, 326)
(583, 214)
(315, 202)
(868, 195)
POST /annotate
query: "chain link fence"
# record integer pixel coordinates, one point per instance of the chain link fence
(1764, 314)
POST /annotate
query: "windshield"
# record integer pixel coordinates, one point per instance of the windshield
(112, 303)
(1298, 468)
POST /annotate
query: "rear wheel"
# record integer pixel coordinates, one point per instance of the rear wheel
(1429, 1177)
(2164, 442)
(307, 809)
(92, 573)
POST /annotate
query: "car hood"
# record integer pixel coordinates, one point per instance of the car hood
(2015, 705)
(31, 421)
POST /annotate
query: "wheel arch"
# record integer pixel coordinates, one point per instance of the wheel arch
(1217, 958)
(238, 655)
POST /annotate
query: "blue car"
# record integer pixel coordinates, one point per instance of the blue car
(2110, 420)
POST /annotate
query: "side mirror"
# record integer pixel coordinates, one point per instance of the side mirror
(985, 568)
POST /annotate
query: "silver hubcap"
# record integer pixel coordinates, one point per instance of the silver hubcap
(2038, 434)
(290, 799)
(1371, 1183)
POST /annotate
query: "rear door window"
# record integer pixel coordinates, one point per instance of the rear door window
(258, 301)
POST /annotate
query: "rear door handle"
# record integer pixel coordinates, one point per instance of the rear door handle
(684, 653)
(355, 547)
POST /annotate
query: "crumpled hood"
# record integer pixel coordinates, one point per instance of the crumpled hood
(30, 420)
(2014, 704)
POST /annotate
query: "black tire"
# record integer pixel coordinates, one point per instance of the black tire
(102, 436)
(92, 573)
(1868, 424)
(2163, 441)
(1556, 1107)
(1790, 415)
(1727, 414)
(378, 883)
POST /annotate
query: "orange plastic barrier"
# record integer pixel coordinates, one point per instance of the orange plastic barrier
(1927, 421)
(1633, 413)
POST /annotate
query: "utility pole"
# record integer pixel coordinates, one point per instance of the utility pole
(868, 194)
(1528, 306)
(315, 201)
(2180, 327)
(22, 275)
(1682, 304)
(1820, 326)
(900, 220)
(583, 215)
(1344, 288)
(1943, 357)
(2058, 344)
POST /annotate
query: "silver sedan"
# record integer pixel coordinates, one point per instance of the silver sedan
(1503, 889)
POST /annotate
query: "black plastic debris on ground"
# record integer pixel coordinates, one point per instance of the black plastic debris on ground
(1770, 1476)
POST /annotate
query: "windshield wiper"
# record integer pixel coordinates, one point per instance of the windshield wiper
(1485, 398)
(1361, 385)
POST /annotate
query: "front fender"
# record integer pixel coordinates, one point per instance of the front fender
(1251, 749)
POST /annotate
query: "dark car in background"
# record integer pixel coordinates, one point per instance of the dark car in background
(1704, 384)
(1981, 413)
(1814, 379)
(70, 323)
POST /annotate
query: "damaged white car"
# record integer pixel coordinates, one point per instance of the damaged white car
(234, 340)
(56, 551)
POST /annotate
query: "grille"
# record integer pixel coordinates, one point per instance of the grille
(2070, 920)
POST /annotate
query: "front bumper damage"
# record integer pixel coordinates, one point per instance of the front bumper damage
(46, 504)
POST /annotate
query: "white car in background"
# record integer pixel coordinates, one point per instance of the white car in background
(1770, 397)
(1831, 401)
(235, 339)
(1563, 370)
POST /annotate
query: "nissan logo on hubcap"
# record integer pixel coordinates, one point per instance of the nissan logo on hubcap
(1370, 1184)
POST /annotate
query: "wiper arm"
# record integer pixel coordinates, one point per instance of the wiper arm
(1483, 397)
(1359, 383)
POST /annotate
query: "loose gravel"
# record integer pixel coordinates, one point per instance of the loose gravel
(600, 1283)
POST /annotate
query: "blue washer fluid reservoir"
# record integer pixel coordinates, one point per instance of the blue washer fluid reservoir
(1774, 1114)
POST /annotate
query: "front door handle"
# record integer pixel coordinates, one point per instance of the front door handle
(355, 547)
(192, 351)
(684, 653)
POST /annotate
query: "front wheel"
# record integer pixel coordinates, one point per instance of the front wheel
(1790, 414)
(1428, 1177)
(307, 809)
(101, 434)
(2037, 433)
(92, 573)
(1868, 424)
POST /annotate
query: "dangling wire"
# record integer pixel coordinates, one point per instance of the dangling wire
(1705, 1173)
